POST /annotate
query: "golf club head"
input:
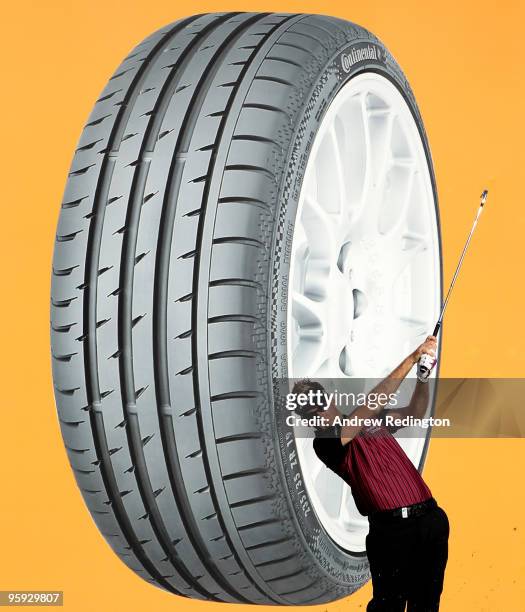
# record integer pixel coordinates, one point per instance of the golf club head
(484, 196)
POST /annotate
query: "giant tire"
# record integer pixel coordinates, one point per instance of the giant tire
(167, 304)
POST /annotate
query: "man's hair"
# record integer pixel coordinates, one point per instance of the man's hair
(303, 387)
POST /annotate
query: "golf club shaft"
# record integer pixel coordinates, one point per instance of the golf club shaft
(454, 278)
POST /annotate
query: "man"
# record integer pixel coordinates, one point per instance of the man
(407, 543)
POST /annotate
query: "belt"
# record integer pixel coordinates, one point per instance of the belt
(404, 512)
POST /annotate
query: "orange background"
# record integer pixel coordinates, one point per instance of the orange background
(465, 63)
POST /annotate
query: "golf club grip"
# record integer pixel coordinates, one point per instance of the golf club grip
(436, 329)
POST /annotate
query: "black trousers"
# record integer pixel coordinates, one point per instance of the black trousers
(407, 562)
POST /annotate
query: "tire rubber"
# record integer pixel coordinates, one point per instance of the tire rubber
(168, 313)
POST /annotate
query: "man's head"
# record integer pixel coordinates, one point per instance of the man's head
(311, 389)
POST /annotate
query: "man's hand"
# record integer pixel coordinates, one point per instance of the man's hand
(428, 347)
(390, 385)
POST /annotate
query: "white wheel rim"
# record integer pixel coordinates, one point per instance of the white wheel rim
(365, 234)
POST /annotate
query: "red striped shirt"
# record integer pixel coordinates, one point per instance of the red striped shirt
(377, 469)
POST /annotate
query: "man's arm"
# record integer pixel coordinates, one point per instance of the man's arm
(390, 385)
(417, 407)
(419, 402)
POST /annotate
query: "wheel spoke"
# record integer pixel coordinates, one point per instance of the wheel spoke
(344, 214)
(329, 368)
(414, 246)
(401, 336)
(329, 486)
(396, 200)
(331, 192)
(309, 342)
(308, 313)
(378, 120)
(317, 467)
(317, 221)
(346, 501)
(349, 128)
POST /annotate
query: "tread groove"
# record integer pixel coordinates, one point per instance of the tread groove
(73, 203)
(295, 46)
(250, 168)
(62, 303)
(245, 200)
(286, 576)
(253, 500)
(233, 353)
(251, 435)
(274, 79)
(266, 107)
(256, 524)
(160, 314)
(284, 60)
(90, 302)
(220, 397)
(309, 36)
(238, 318)
(63, 271)
(239, 240)
(242, 473)
(255, 138)
(252, 574)
(126, 323)
(241, 282)
(268, 543)
(275, 561)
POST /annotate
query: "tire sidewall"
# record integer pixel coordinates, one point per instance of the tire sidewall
(350, 570)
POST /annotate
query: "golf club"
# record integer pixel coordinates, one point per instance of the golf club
(426, 363)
